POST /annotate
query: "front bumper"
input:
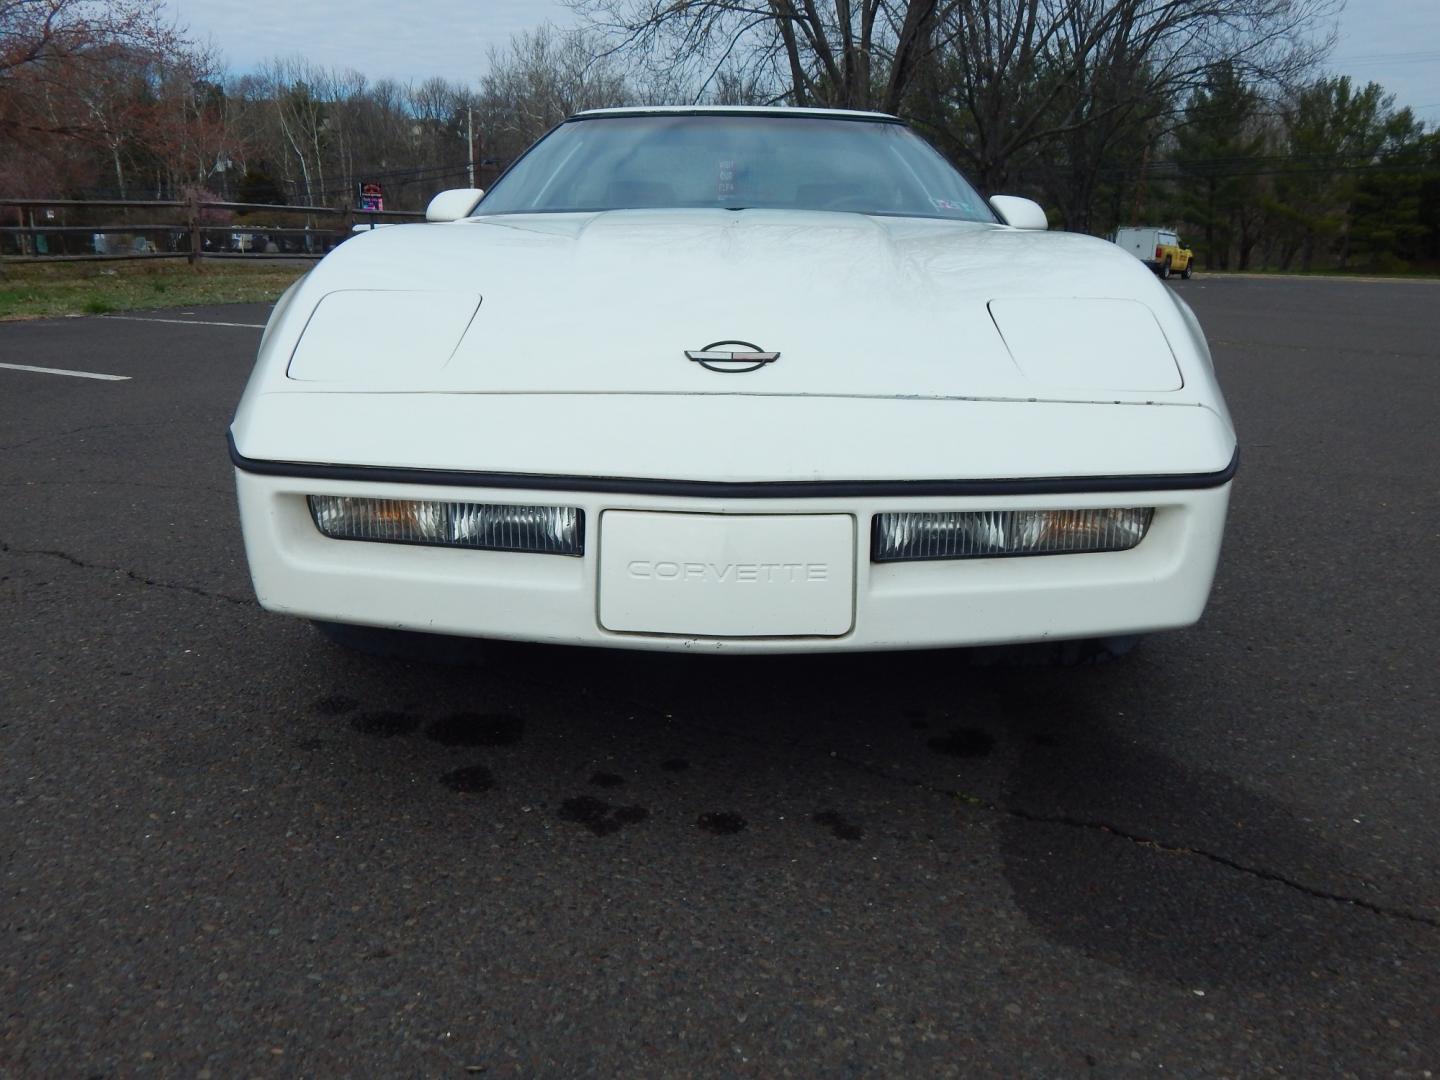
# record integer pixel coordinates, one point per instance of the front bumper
(1162, 583)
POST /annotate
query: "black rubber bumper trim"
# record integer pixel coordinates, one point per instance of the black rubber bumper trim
(727, 489)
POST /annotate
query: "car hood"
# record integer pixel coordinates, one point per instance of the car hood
(854, 305)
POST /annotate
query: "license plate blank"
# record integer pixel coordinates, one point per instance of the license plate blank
(727, 575)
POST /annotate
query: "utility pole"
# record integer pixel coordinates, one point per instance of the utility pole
(470, 140)
(1140, 185)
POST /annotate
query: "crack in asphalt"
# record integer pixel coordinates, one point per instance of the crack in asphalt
(139, 579)
(1153, 843)
(1068, 821)
(143, 485)
(50, 436)
(109, 425)
(990, 806)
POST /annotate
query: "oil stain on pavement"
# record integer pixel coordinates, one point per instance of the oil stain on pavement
(721, 823)
(476, 729)
(385, 725)
(599, 816)
(839, 826)
(469, 780)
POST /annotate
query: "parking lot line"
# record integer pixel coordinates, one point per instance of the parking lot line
(63, 371)
(186, 322)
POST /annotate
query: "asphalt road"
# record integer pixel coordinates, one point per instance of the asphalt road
(228, 847)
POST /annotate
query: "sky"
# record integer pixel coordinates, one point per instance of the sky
(402, 39)
(1393, 42)
(1397, 44)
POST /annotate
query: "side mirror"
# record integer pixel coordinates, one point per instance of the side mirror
(453, 205)
(1019, 213)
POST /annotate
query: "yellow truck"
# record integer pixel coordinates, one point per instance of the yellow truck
(1159, 249)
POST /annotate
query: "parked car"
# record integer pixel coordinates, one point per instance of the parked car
(119, 243)
(253, 243)
(1159, 249)
(753, 380)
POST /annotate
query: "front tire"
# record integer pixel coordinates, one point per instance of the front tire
(1189, 269)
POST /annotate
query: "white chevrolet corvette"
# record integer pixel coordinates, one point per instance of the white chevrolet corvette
(763, 380)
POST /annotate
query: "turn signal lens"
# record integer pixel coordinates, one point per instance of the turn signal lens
(546, 530)
(989, 534)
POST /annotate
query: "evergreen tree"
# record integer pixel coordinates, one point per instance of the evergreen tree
(1218, 150)
(1385, 210)
(258, 186)
(1333, 133)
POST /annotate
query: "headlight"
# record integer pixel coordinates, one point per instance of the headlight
(547, 530)
(996, 533)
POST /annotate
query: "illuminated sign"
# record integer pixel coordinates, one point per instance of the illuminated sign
(372, 197)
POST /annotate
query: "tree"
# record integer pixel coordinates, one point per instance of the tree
(50, 48)
(258, 186)
(1427, 244)
(1048, 92)
(1387, 208)
(1218, 150)
(1015, 78)
(1332, 131)
(538, 80)
(299, 112)
(1075, 171)
(855, 54)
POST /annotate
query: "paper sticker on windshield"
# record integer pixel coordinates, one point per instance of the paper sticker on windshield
(946, 204)
(725, 179)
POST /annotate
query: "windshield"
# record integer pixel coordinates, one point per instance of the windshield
(735, 162)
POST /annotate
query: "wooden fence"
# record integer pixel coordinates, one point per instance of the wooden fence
(198, 236)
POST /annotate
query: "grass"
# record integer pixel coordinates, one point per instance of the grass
(32, 291)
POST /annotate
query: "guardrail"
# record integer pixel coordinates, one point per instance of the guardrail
(193, 239)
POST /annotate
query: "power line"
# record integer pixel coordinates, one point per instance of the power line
(1380, 58)
(1234, 167)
